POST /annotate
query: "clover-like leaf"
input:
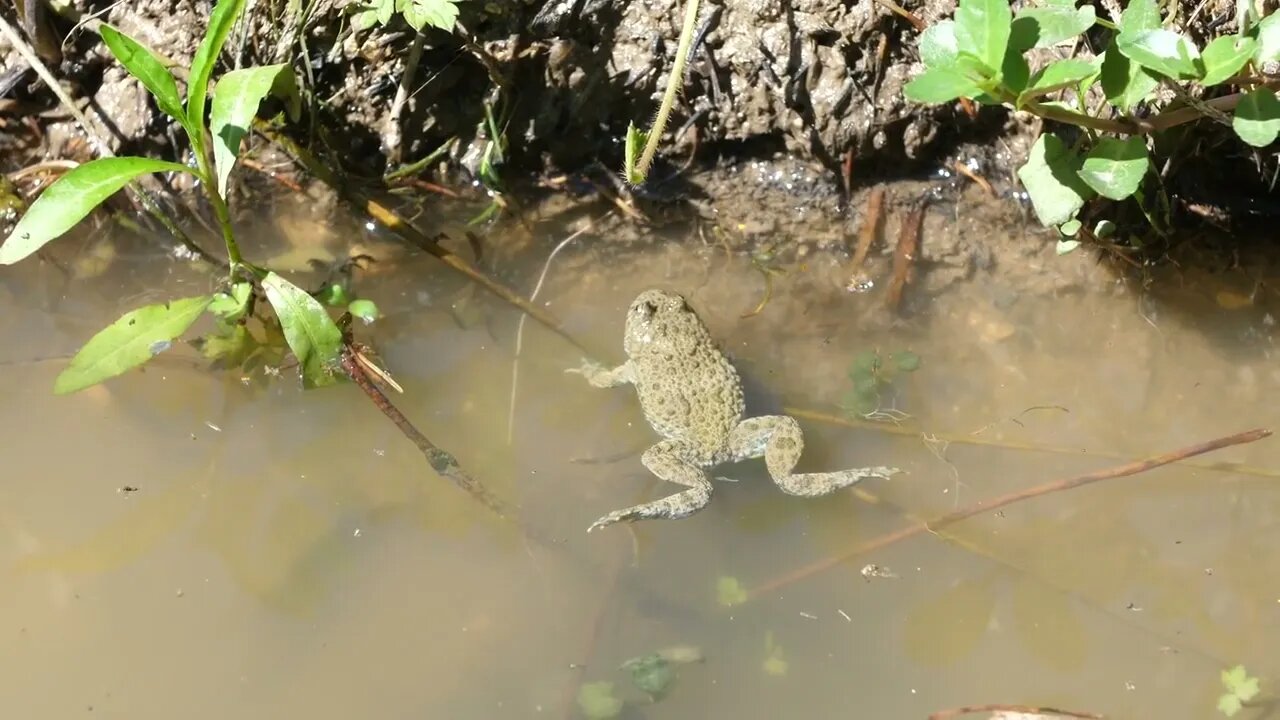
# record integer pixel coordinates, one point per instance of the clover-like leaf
(1257, 118)
(1115, 168)
(939, 85)
(1051, 24)
(1224, 57)
(312, 335)
(982, 30)
(1163, 51)
(1051, 177)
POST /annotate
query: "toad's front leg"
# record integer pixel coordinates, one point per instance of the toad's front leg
(602, 377)
(779, 440)
(673, 461)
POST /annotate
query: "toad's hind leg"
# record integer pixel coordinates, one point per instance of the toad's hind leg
(779, 440)
(673, 461)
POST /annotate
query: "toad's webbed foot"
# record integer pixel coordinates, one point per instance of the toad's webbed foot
(779, 440)
(669, 461)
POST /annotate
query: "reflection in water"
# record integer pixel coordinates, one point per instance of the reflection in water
(288, 554)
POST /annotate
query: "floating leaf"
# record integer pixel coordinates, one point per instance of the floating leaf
(1051, 178)
(1229, 705)
(651, 674)
(1257, 120)
(1115, 168)
(730, 592)
(982, 30)
(1224, 57)
(906, 361)
(598, 702)
(71, 198)
(775, 663)
(312, 335)
(129, 342)
(144, 65)
(227, 349)
(681, 654)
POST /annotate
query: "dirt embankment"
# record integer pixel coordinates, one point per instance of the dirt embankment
(818, 80)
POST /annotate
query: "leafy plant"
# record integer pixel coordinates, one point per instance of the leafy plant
(641, 145)
(980, 55)
(872, 375)
(142, 333)
(1240, 689)
(441, 14)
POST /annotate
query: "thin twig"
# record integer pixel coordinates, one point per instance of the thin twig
(391, 136)
(871, 222)
(969, 511)
(904, 255)
(1001, 707)
(515, 359)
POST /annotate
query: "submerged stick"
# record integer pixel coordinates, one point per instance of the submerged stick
(904, 255)
(1001, 707)
(969, 511)
(440, 460)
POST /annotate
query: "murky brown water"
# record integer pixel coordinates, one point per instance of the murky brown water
(288, 554)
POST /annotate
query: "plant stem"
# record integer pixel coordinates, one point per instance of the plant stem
(674, 81)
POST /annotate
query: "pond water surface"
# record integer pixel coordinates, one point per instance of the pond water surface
(180, 544)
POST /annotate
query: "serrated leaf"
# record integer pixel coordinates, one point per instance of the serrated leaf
(1126, 83)
(939, 85)
(1268, 39)
(71, 198)
(236, 99)
(225, 14)
(1051, 178)
(982, 30)
(1257, 119)
(1115, 168)
(937, 45)
(1062, 74)
(144, 65)
(1224, 57)
(1163, 51)
(440, 14)
(129, 342)
(1050, 25)
(312, 335)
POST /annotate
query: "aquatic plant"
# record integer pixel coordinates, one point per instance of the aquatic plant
(214, 138)
(980, 55)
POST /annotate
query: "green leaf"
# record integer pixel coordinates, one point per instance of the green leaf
(906, 361)
(1268, 39)
(1065, 246)
(982, 30)
(1164, 51)
(225, 13)
(730, 592)
(939, 85)
(597, 702)
(1104, 229)
(312, 335)
(229, 348)
(1229, 704)
(1257, 120)
(235, 102)
(366, 310)
(635, 142)
(866, 362)
(1126, 83)
(1059, 75)
(1140, 15)
(440, 14)
(651, 674)
(364, 19)
(1224, 57)
(129, 342)
(1051, 178)
(938, 45)
(775, 663)
(1050, 25)
(147, 67)
(1070, 227)
(231, 306)
(71, 198)
(1115, 168)
(384, 10)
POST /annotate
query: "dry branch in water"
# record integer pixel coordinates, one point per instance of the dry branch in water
(933, 526)
(1003, 708)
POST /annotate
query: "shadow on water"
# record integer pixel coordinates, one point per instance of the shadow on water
(184, 544)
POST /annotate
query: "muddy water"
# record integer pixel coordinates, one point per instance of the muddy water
(180, 544)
